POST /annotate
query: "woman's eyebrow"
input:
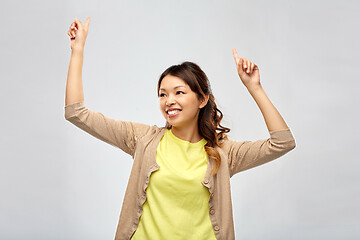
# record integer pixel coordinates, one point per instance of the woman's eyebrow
(174, 87)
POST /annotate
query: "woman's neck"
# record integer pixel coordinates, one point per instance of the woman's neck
(190, 134)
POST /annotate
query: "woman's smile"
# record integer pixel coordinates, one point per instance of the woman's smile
(173, 113)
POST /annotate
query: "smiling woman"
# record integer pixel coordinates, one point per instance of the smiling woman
(199, 116)
(179, 186)
(180, 108)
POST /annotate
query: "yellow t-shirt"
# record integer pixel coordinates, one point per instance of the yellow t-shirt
(177, 203)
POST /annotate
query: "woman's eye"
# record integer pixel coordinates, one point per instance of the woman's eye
(180, 92)
(161, 95)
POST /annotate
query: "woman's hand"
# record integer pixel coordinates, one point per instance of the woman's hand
(248, 71)
(78, 33)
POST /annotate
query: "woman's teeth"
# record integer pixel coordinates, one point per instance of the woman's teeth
(173, 112)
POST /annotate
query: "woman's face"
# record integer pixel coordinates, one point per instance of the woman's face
(178, 103)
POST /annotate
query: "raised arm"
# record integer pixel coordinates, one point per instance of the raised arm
(244, 155)
(121, 134)
(250, 76)
(74, 86)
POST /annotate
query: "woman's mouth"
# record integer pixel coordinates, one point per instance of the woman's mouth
(173, 113)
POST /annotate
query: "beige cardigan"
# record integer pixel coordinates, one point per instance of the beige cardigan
(141, 141)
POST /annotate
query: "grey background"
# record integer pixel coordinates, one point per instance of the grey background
(58, 182)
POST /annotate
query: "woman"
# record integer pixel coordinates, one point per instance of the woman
(179, 186)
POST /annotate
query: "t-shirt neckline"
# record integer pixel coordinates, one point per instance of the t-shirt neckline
(202, 142)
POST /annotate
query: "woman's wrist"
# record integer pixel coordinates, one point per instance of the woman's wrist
(254, 88)
(77, 50)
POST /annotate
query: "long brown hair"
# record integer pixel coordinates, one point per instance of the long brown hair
(209, 116)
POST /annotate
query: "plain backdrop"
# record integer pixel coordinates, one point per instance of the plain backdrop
(58, 182)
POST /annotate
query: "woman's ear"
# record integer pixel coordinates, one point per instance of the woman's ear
(204, 101)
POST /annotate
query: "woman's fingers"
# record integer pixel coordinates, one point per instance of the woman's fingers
(243, 64)
(72, 30)
(72, 33)
(69, 33)
(86, 24)
(247, 66)
(240, 65)
(77, 25)
(236, 56)
(81, 26)
(77, 21)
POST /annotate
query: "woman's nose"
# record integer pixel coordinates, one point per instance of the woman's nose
(170, 101)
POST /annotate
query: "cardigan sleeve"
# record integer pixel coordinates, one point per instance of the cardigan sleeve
(243, 155)
(120, 134)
